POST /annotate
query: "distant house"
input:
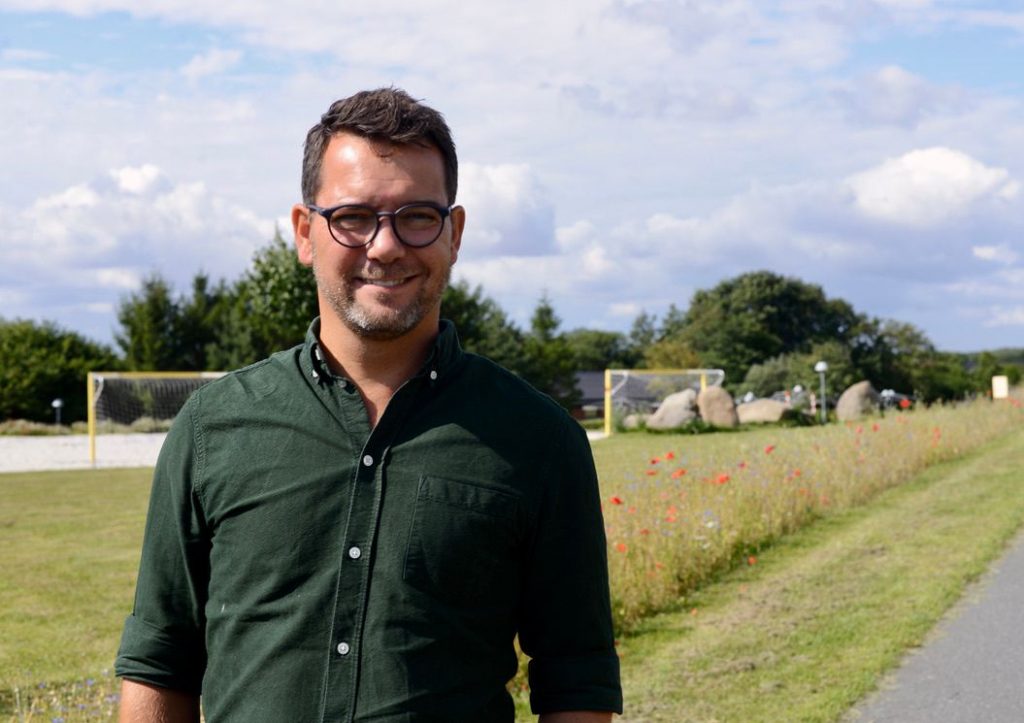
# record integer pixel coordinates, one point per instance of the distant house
(591, 388)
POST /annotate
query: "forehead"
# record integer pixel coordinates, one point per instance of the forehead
(361, 164)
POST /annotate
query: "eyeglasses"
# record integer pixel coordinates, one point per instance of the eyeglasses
(417, 224)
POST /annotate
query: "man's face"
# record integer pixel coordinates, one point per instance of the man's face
(385, 290)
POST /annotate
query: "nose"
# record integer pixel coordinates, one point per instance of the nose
(385, 246)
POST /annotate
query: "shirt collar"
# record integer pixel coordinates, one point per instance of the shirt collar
(443, 357)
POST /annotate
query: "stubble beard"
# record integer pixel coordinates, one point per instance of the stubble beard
(379, 324)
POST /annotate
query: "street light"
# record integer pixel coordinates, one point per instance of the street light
(57, 404)
(822, 367)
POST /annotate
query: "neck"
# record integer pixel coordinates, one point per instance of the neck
(377, 367)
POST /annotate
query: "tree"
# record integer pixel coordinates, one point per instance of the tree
(482, 326)
(942, 377)
(888, 353)
(670, 353)
(786, 371)
(40, 362)
(199, 317)
(642, 334)
(269, 309)
(550, 363)
(595, 350)
(149, 325)
(760, 315)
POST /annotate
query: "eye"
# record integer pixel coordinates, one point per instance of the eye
(353, 218)
(420, 216)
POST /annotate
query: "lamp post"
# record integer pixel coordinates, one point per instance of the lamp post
(57, 405)
(822, 367)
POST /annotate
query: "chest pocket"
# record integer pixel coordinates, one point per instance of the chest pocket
(463, 542)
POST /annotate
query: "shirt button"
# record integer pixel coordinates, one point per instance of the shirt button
(343, 648)
(433, 375)
(368, 461)
(355, 553)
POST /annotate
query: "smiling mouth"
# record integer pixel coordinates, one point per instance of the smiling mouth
(385, 283)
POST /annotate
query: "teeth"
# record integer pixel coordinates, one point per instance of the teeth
(387, 283)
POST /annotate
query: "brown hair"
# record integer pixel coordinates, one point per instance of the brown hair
(388, 115)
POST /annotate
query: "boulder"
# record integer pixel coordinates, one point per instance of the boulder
(633, 421)
(855, 402)
(717, 407)
(761, 411)
(674, 411)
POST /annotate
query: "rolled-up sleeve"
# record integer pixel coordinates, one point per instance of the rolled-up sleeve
(163, 639)
(566, 623)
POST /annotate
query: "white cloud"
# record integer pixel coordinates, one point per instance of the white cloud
(510, 212)
(118, 278)
(893, 95)
(929, 186)
(136, 180)
(1002, 254)
(212, 62)
(17, 55)
(1003, 316)
(95, 241)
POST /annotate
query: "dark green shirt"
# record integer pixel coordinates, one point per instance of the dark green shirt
(301, 566)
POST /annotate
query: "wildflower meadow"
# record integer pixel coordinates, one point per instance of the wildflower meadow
(678, 510)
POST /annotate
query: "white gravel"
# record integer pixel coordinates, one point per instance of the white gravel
(24, 454)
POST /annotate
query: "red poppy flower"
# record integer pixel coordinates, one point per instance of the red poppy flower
(621, 547)
(678, 473)
(769, 449)
(670, 455)
(616, 500)
(722, 479)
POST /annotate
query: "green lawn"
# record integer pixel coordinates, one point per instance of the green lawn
(70, 544)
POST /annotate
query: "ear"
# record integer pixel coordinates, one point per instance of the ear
(458, 220)
(301, 226)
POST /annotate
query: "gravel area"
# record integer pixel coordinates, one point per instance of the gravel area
(24, 454)
(27, 454)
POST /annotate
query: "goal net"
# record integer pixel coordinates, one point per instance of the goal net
(641, 391)
(123, 402)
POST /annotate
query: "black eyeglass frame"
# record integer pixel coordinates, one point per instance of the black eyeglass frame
(445, 212)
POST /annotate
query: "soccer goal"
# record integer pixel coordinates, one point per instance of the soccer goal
(137, 401)
(640, 391)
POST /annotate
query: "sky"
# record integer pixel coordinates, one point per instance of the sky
(615, 155)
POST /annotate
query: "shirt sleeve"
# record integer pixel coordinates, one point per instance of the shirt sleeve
(566, 622)
(163, 639)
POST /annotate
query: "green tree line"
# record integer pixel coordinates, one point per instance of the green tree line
(765, 330)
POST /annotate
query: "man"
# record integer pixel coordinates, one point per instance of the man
(357, 528)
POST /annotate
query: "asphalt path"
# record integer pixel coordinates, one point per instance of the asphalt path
(971, 670)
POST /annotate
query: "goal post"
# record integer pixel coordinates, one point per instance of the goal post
(642, 390)
(134, 400)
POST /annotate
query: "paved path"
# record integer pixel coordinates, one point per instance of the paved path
(971, 670)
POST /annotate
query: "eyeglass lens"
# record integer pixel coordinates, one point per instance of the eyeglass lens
(414, 225)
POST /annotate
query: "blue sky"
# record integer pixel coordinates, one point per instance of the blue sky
(616, 155)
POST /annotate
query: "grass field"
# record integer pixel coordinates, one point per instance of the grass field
(70, 544)
(766, 571)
